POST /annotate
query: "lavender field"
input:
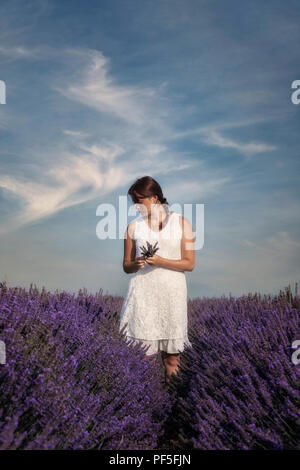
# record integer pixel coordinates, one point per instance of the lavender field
(72, 381)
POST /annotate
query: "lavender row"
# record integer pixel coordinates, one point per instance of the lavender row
(238, 388)
(71, 381)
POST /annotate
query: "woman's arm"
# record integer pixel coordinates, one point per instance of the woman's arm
(131, 264)
(187, 261)
(129, 251)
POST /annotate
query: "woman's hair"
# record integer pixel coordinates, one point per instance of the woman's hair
(146, 187)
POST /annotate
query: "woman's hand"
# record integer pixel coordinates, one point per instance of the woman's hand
(139, 262)
(154, 260)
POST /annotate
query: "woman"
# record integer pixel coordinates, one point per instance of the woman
(154, 311)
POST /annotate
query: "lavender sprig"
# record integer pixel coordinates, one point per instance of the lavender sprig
(150, 250)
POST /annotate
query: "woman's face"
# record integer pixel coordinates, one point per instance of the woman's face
(144, 204)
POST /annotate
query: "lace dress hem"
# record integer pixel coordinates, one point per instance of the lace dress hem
(170, 345)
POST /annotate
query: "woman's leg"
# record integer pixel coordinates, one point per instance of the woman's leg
(171, 363)
(149, 356)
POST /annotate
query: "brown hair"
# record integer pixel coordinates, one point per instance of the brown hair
(146, 187)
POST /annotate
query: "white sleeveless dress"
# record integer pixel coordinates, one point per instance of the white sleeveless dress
(155, 306)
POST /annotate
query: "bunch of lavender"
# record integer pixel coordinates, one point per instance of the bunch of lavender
(150, 250)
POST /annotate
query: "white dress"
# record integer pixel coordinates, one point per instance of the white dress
(155, 306)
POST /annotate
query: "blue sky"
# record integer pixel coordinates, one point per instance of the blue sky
(196, 95)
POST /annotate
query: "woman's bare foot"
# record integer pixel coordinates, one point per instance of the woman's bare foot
(171, 364)
(148, 356)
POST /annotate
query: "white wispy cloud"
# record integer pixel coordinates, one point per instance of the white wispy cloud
(75, 133)
(82, 173)
(106, 153)
(279, 245)
(97, 89)
(17, 51)
(214, 137)
(136, 144)
(211, 135)
(195, 190)
(75, 180)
